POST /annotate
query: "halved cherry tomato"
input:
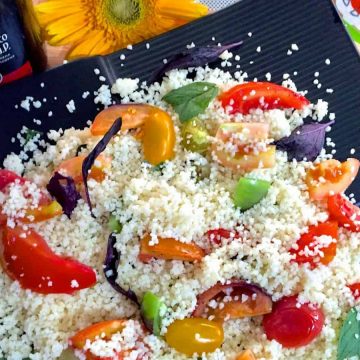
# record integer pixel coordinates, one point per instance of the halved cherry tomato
(344, 212)
(132, 115)
(104, 329)
(355, 289)
(261, 95)
(331, 177)
(27, 258)
(242, 300)
(293, 325)
(247, 161)
(242, 133)
(216, 236)
(42, 213)
(246, 355)
(7, 177)
(308, 249)
(169, 249)
(157, 134)
(194, 335)
(73, 168)
(356, 5)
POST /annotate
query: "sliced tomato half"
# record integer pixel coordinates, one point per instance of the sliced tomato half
(27, 258)
(331, 177)
(7, 177)
(309, 250)
(344, 212)
(261, 95)
(242, 300)
(169, 249)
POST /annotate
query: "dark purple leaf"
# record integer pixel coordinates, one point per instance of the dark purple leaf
(111, 264)
(98, 149)
(196, 56)
(63, 189)
(306, 141)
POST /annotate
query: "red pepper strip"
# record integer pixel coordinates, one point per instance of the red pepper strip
(27, 258)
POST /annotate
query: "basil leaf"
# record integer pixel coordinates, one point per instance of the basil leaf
(191, 100)
(29, 135)
(349, 341)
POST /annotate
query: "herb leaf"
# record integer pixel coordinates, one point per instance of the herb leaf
(111, 264)
(30, 134)
(98, 149)
(349, 341)
(192, 99)
(306, 141)
(196, 56)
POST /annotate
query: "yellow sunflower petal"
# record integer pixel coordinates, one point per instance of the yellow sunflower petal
(67, 25)
(85, 47)
(184, 10)
(68, 38)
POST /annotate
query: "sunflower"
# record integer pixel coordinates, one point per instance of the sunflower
(99, 27)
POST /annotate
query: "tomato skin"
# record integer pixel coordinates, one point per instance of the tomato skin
(169, 249)
(42, 213)
(7, 177)
(356, 5)
(330, 177)
(246, 355)
(194, 335)
(344, 212)
(216, 236)
(244, 97)
(355, 289)
(29, 260)
(328, 228)
(291, 326)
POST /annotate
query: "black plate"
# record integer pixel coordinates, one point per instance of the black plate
(313, 25)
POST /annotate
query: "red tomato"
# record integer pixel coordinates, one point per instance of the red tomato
(217, 235)
(308, 241)
(344, 212)
(261, 95)
(27, 258)
(293, 326)
(7, 177)
(331, 177)
(355, 289)
(356, 5)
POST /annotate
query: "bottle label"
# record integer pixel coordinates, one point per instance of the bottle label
(13, 57)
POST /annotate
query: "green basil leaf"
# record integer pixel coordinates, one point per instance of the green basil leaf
(349, 341)
(191, 100)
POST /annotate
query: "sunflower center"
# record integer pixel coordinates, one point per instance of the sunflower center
(125, 12)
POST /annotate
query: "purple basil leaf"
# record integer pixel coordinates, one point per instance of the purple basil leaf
(63, 189)
(98, 149)
(111, 264)
(306, 141)
(196, 56)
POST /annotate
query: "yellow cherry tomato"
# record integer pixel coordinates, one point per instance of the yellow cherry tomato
(158, 137)
(42, 213)
(194, 335)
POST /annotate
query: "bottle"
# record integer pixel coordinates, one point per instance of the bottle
(21, 50)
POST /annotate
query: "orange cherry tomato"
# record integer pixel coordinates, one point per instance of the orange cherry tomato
(108, 328)
(169, 249)
(158, 138)
(246, 355)
(194, 335)
(331, 177)
(235, 300)
(309, 250)
(42, 213)
(261, 95)
(73, 168)
(344, 212)
(157, 133)
(26, 257)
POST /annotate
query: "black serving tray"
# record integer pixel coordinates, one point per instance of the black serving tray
(313, 25)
